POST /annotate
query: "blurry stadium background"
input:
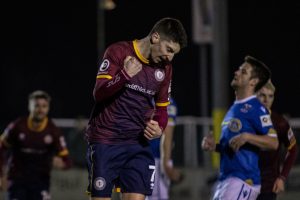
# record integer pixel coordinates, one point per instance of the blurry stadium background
(57, 46)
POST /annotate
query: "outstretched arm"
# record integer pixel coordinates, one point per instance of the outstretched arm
(261, 141)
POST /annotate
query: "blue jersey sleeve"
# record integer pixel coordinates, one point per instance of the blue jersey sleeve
(261, 121)
(172, 113)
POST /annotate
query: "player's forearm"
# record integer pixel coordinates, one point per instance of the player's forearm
(67, 162)
(263, 141)
(161, 116)
(289, 161)
(107, 86)
(166, 144)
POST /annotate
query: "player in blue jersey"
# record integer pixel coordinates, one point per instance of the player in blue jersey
(131, 76)
(246, 128)
(162, 150)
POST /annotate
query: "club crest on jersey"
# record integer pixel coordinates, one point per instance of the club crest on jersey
(22, 136)
(159, 75)
(265, 120)
(246, 108)
(235, 125)
(104, 66)
(48, 139)
(99, 183)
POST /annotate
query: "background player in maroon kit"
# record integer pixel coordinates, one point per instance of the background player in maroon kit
(273, 176)
(132, 76)
(32, 143)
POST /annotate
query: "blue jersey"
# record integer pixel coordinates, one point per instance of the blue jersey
(172, 114)
(250, 116)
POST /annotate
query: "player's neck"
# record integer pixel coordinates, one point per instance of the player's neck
(35, 124)
(243, 94)
(143, 47)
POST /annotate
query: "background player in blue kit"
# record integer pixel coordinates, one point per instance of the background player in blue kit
(162, 150)
(246, 127)
(131, 76)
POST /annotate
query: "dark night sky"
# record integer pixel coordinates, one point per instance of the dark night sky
(52, 46)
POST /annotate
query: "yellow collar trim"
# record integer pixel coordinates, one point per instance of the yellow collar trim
(41, 126)
(138, 53)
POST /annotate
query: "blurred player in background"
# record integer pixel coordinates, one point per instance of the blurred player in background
(274, 172)
(246, 128)
(131, 76)
(162, 150)
(29, 147)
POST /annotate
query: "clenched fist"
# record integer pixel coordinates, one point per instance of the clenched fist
(132, 66)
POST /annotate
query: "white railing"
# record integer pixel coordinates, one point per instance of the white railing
(191, 127)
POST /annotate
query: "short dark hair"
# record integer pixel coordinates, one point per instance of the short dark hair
(39, 94)
(172, 29)
(259, 70)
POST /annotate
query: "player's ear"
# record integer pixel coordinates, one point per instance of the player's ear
(254, 82)
(154, 38)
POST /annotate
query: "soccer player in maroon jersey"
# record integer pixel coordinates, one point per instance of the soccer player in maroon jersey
(131, 97)
(273, 176)
(29, 147)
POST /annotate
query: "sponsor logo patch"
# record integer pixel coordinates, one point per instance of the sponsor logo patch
(265, 120)
(140, 89)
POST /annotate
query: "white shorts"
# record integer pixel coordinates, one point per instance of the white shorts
(161, 183)
(235, 188)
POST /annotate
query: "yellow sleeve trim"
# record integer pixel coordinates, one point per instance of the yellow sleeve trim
(162, 104)
(292, 144)
(104, 76)
(4, 142)
(63, 152)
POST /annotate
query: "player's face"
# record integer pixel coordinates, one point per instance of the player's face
(163, 51)
(242, 76)
(266, 97)
(38, 108)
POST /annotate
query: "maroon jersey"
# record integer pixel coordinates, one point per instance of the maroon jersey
(270, 161)
(124, 104)
(31, 151)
